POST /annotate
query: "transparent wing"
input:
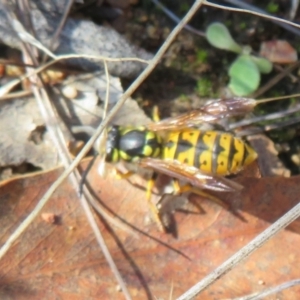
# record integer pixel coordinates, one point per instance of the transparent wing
(214, 111)
(193, 175)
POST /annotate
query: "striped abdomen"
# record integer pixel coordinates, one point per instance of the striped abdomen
(213, 152)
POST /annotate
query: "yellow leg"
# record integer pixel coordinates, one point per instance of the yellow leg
(155, 114)
(154, 210)
(120, 175)
(150, 185)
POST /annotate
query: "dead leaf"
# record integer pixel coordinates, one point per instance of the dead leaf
(278, 51)
(269, 163)
(64, 260)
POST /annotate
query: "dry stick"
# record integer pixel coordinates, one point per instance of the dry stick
(251, 7)
(4, 61)
(13, 83)
(265, 128)
(276, 79)
(280, 69)
(17, 95)
(51, 119)
(270, 291)
(95, 204)
(272, 116)
(265, 100)
(284, 221)
(99, 130)
(103, 246)
(268, 117)
(10, 85)
(107, 90)
(251, 12)
(111, 219)
(91, 218)
(24, 15)
(61, 24)
(256, 243)
(173, 17)
(75, 179)
(57, 137)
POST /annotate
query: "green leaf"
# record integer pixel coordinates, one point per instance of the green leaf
(264, 65)
(218, 36)
(244, 76)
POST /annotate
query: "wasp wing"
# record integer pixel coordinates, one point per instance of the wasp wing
(193, 175)
(212, 112)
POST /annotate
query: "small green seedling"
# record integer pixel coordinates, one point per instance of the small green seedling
(245, 71)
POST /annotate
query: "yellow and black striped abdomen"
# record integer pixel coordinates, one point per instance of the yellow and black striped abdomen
(213, 152)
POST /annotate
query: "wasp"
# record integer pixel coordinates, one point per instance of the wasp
(179, 148)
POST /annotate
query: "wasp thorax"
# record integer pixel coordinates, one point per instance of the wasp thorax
(131, 144)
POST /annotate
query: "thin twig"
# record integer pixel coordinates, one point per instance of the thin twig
(60, 26)
(270, 291)
(173, 17)
(276, 79)
(10, 85)
(268, 117)
(51, 120)
(265, 100)
(243, 253)
(253, 8)
(107, 91)
(103, 246)
(265, 128)
(265, 16)
(15, 95)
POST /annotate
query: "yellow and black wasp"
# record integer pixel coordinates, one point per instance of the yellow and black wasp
(177, 147)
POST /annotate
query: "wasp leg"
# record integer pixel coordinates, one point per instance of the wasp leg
(150, 184)
(188, 188)
(154, 210)
(155, 114)
(120, 175)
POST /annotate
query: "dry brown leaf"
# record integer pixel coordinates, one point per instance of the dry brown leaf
(278, 51)
(269, 163)
(63, 260)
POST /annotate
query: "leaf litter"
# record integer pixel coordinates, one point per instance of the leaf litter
(27, 140)
(144, 278)
(65, 256)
